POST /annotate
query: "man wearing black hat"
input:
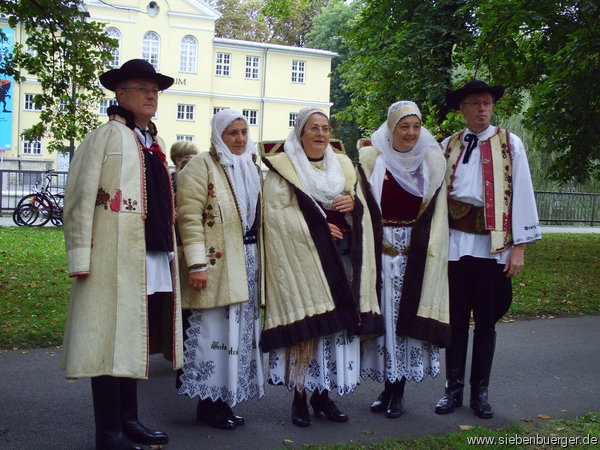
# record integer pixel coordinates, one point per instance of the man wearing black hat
(118, 225)
(492, 215)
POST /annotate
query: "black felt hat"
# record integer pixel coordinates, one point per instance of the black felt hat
(454, 98)
(134, 68)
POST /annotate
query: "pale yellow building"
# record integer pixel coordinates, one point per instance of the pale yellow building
(268, 83)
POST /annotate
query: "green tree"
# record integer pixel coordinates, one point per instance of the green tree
(65, 53)
(546, 50)
(326, 33)
(242, 19)
(402, 51)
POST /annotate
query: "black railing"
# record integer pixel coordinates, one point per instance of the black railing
(15, 184)
(554, 208)
(568, 208)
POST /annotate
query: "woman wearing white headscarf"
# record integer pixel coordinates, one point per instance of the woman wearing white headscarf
(403, 177)
(218, 214)
(319, 268)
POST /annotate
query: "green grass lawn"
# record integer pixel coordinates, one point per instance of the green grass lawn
(561, 277)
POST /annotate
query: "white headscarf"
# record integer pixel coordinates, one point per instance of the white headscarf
(324, 185)
(406, 167)
(240, 168)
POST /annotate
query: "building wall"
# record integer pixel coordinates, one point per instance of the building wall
(272, 96)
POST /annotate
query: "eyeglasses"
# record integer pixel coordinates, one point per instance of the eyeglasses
(144, 89)
(315, 129)
(486, 104)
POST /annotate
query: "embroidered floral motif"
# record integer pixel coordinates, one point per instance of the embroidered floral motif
(208, 217)
(213, 256)
(115, 202)
(211, 190)
(130, 205)
(102, 198)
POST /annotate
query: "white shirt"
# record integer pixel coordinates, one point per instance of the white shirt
(467, 186)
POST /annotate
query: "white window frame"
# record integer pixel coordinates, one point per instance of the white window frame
(29, 104)
(185, 137)
(186, 112)
(251, 115)
(218, 109)
(298, 71)
(105, 103)
(115, 52)
(252, 67)
(223, 64)
(188, 54)
(292, 119)
(32, 147)
(151, 48)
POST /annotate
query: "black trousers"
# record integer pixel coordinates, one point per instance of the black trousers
(478, 286)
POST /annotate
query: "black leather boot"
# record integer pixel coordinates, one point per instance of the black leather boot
(321, 403)
(395, 406)
(238, 420)
(300, 414)
(484, 345)
(210, 413)
(132, 428)
(106, 394)
(382, 401)
(456, 357)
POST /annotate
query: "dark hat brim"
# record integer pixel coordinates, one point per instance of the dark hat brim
(111, 78)
(454, 98)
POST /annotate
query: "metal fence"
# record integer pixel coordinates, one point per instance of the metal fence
(554, 208)
(568, 208)
(15, 184)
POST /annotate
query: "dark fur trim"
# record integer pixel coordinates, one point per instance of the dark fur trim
(346, 314)
(415, 271)
(371, 324)
(305, 329)
(129, 120)
(438, 333)
(377, 222)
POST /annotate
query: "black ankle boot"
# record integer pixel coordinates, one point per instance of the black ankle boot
(321, 403)
(132, 427)
(106, 394)
(452, 398)
(238, 420)
(479, 402)
(300, 414)
(211, 414)
(381, 403)
(456, 357)
(395, 407)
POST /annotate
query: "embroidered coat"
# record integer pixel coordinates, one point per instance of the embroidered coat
(424, 308)
(307, 293)
(211, 233)
(106, 331)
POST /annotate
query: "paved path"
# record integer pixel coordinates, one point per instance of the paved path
(541, 367)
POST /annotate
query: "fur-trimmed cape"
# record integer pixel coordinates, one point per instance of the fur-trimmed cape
(307, 293)
(424, 309)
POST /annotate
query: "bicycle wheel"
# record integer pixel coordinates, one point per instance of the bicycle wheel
(39, 212)
(26, 214)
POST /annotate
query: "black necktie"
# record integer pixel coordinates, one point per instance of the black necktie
(471, 140)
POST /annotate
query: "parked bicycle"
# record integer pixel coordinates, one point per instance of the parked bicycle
(42, 206)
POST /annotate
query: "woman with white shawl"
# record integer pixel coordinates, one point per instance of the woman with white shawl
(218, 213)
(319, 269)
(403, 174)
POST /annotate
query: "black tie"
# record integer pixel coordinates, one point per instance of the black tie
(471, 140)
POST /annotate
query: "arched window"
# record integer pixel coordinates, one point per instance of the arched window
(187, 54)
(151, 48)
(115, 52)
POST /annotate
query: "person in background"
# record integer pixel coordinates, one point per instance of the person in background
(320, 269)
(492, 216)
(403, 174)
(219, 220)
(119, 236)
